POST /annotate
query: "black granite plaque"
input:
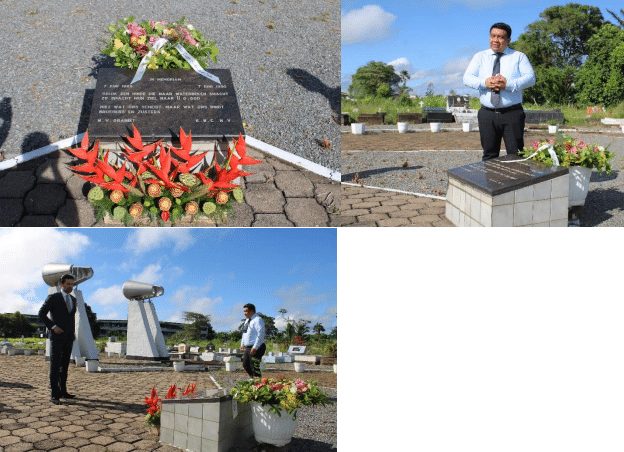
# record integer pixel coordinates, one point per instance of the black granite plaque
(162, 102)
(435, 116)
(496, 177)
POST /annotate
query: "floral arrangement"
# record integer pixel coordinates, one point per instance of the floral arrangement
(131, 41)
(159, 181)
(570, 152)
(154, 403)
(279, 394)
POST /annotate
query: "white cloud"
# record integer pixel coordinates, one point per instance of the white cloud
(151, 274)
(107, 296)
(142, 240)
(297, 300)
(23, 253)
(369, 23)
(445, 78)
(401, 64)
(194, 299)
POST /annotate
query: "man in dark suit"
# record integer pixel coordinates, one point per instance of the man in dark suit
(61, 325)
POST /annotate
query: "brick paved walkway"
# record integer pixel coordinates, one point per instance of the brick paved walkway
(43, 192)
(107, 414)
(370, 207)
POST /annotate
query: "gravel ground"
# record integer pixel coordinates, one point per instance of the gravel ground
(425, 172)
(283, 59)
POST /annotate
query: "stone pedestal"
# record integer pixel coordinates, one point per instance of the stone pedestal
(212, 424)
(145, 338)
(501, 192)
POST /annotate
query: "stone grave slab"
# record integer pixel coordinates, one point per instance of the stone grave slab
(504, 192)
(162, 102)
(372, 118)
(296, 349)
(415, 118)
(457, 102)
(542, 116)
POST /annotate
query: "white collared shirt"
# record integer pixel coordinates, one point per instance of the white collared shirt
(254, 336)
(514, 66)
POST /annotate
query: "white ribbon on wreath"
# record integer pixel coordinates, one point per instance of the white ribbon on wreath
(187, 56)
(545, 146)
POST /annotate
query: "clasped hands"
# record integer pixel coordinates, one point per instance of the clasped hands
(496, 82)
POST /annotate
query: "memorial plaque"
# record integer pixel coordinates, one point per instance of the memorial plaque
(461, 102)
(496, 177)
(162, 102)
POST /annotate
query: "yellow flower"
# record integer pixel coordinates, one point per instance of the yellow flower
(118, 44)
(142, 39)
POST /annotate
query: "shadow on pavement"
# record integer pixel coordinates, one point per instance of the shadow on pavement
(15, 385)
(348, 177)
(6, 115)
(312, 83)
(85, 111)
(598, 204)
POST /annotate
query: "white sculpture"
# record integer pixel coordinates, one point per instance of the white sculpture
(145, 338)
(84, 345)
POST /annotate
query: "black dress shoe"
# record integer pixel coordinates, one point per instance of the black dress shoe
(68, 396)
(55, 401)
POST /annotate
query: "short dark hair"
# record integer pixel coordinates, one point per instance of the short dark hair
(66, 276)
(250, 306)
(502, 26)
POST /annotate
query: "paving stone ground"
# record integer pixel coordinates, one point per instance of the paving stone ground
(108, 411)
(363, 206)
(43, 192)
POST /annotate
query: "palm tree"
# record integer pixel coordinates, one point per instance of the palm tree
(318, 328)
(617, 18)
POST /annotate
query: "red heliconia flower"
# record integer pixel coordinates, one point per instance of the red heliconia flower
(171, 392)
(186, 160)
(165, 216)
(224, 177)
(241, 150)
(190, 389)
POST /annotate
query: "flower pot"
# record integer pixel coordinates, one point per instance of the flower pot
(579, 185)
(402, 126)
(466, 126)
(622, 128)
(335, 368)
(553, 129)
(357, 128)
(92, 365)
(80, 361)
(299, 367)
(40, 352)
(178, 366)
(435, 126)
(270, 428)
(11, 351)
(27, 352)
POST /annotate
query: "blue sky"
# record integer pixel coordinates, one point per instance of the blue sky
(214, 271)
(433, 40)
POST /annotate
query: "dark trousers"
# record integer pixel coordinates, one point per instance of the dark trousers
(251, 364)
(60, 352)
(494, 126)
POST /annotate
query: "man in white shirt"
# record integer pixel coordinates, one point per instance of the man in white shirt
(500, 74)
(252, 342)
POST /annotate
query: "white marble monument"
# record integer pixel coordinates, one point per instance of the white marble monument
(84, 345)
(145, 338)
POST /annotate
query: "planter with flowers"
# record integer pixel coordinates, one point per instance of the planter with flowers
(156, 182)
(580, 157)
(274, 405)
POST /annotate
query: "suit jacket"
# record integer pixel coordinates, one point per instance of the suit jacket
(56, 306)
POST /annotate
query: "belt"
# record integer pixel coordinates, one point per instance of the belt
(503, 110)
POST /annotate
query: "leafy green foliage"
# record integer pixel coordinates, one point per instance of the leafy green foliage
(197, 326)
(279, 394)
(374, 79)
(15, 325)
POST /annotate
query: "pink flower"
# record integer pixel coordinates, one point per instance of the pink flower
(573, 150)
(152, 40)
(135, 29)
